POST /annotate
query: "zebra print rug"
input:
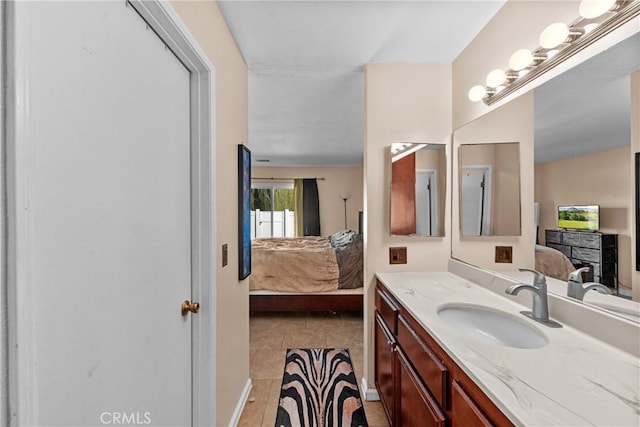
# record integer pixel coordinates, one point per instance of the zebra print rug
(319, 389)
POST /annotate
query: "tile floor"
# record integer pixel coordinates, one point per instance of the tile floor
(270, 336)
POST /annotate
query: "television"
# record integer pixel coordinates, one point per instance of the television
(579, 217)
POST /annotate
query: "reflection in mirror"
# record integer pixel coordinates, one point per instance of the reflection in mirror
(583, 122)
(418, 180)
(489, 189)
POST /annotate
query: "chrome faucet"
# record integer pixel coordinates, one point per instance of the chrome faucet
(540, 308)
(576, 289)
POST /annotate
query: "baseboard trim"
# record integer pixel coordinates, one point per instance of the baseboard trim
(237, 413)
(370, 394)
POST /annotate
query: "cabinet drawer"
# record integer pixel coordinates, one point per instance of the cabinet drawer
(416, 407)
(387, 310)
(551, 236)
(590, 240)
(570, 238)
(586, 254)
(464, 411)
(429, 368)
(566, 250)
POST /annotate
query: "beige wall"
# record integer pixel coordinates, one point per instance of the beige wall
(510, 123)
(338, 182)
(601, 178)
(403, 103)
(635, 148)
(205, 21)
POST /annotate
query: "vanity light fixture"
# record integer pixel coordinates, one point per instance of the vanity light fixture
(558, 42)
(554, 35)
(520, 59)
(496, 77)
(590, 9)
(476, 93)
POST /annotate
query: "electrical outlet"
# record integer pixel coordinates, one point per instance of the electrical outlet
(504, 254)
(398, 255)
(225, 255)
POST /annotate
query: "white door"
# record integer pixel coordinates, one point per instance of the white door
(476, 200)
(426, 202)
(108, 194)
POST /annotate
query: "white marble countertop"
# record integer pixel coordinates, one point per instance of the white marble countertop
(575, 380)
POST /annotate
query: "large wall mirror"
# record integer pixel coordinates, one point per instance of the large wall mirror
(582, 156)
(418, 189)
(489, 189)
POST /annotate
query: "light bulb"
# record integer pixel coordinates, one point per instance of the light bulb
(476, 93)
(520, 59)
(496, 77)
(593, 8)
(590, 27)
(553, 35)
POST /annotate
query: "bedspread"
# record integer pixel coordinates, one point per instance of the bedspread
(306, 264)
(553, 263)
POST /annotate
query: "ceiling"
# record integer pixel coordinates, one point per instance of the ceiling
(587, 109)
(306, 59)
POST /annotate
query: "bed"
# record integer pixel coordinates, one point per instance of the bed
(307, 273)
(553, 263)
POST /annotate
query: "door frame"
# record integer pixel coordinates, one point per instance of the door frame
(433, 206)
(487, 200)
(17, 240)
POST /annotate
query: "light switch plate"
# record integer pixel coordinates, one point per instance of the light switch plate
(504, 254)
(398, 255)
(225, 255)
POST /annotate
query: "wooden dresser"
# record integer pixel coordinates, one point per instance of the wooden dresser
(582, 247)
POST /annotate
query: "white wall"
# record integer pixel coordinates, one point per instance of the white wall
(403, 103)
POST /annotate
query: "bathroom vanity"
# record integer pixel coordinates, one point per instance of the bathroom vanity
(418, 383)
(433, 370)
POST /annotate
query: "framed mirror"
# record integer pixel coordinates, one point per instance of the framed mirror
(584, 154)
(489, 189)
(418, 189)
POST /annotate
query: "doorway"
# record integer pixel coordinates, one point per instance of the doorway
(476, 200)
(426, 202)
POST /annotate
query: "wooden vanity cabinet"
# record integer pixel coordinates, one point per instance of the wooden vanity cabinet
(424, 387)
(385, 367)
(416, 406)
(385, 364)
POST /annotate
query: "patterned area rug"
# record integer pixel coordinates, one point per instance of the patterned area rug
(319, 389)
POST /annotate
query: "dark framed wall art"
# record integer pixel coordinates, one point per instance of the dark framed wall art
(637, 211)
(244, 212)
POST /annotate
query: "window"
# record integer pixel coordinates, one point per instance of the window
(272, 210)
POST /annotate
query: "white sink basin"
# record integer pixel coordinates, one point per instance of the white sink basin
(492, 326)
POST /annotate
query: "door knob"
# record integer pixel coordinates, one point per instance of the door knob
(188, 307)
